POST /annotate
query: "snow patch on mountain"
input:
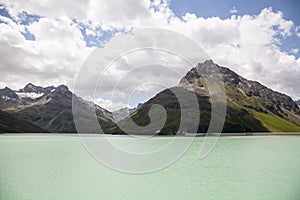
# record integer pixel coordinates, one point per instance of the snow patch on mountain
(5, 97)
(31, 95)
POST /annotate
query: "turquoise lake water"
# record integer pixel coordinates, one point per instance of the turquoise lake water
(59, 167)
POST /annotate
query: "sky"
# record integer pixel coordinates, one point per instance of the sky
(47, 42)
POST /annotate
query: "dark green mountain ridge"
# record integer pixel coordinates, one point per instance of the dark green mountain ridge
(12, 124)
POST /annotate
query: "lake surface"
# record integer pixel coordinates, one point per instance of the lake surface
(59, 167)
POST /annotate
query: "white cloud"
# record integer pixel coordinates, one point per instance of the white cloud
(248, 44)
(233, 10)
(90, 32)
(53, 58)
(294, 50)
(107, 104)
(110, 14)
(143, 72)
(12, 24)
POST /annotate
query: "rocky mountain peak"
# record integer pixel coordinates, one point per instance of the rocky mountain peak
(209, 62)
(206, 69)
(206, 64)
(31, 88)
(238, 89)
(62, 88)
(209, 68)
(29, 85)
(8, 93)
(6, 89)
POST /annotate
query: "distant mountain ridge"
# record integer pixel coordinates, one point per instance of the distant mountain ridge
(251, 107)
(49, 108)
(124, 112)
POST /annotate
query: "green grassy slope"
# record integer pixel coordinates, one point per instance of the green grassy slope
(13, 124)
(276, 124)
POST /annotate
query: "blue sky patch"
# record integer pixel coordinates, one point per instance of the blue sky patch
(25, 18)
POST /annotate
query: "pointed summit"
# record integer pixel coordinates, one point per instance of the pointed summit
(201, 70)
(30, 88)
(206, 64)
(62, 88)
(8, 93)
(29, 85)
(210, 61)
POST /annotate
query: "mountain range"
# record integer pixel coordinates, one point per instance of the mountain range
(49, 108)
(251, 107)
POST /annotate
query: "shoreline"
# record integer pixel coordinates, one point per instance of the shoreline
(125, 135)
